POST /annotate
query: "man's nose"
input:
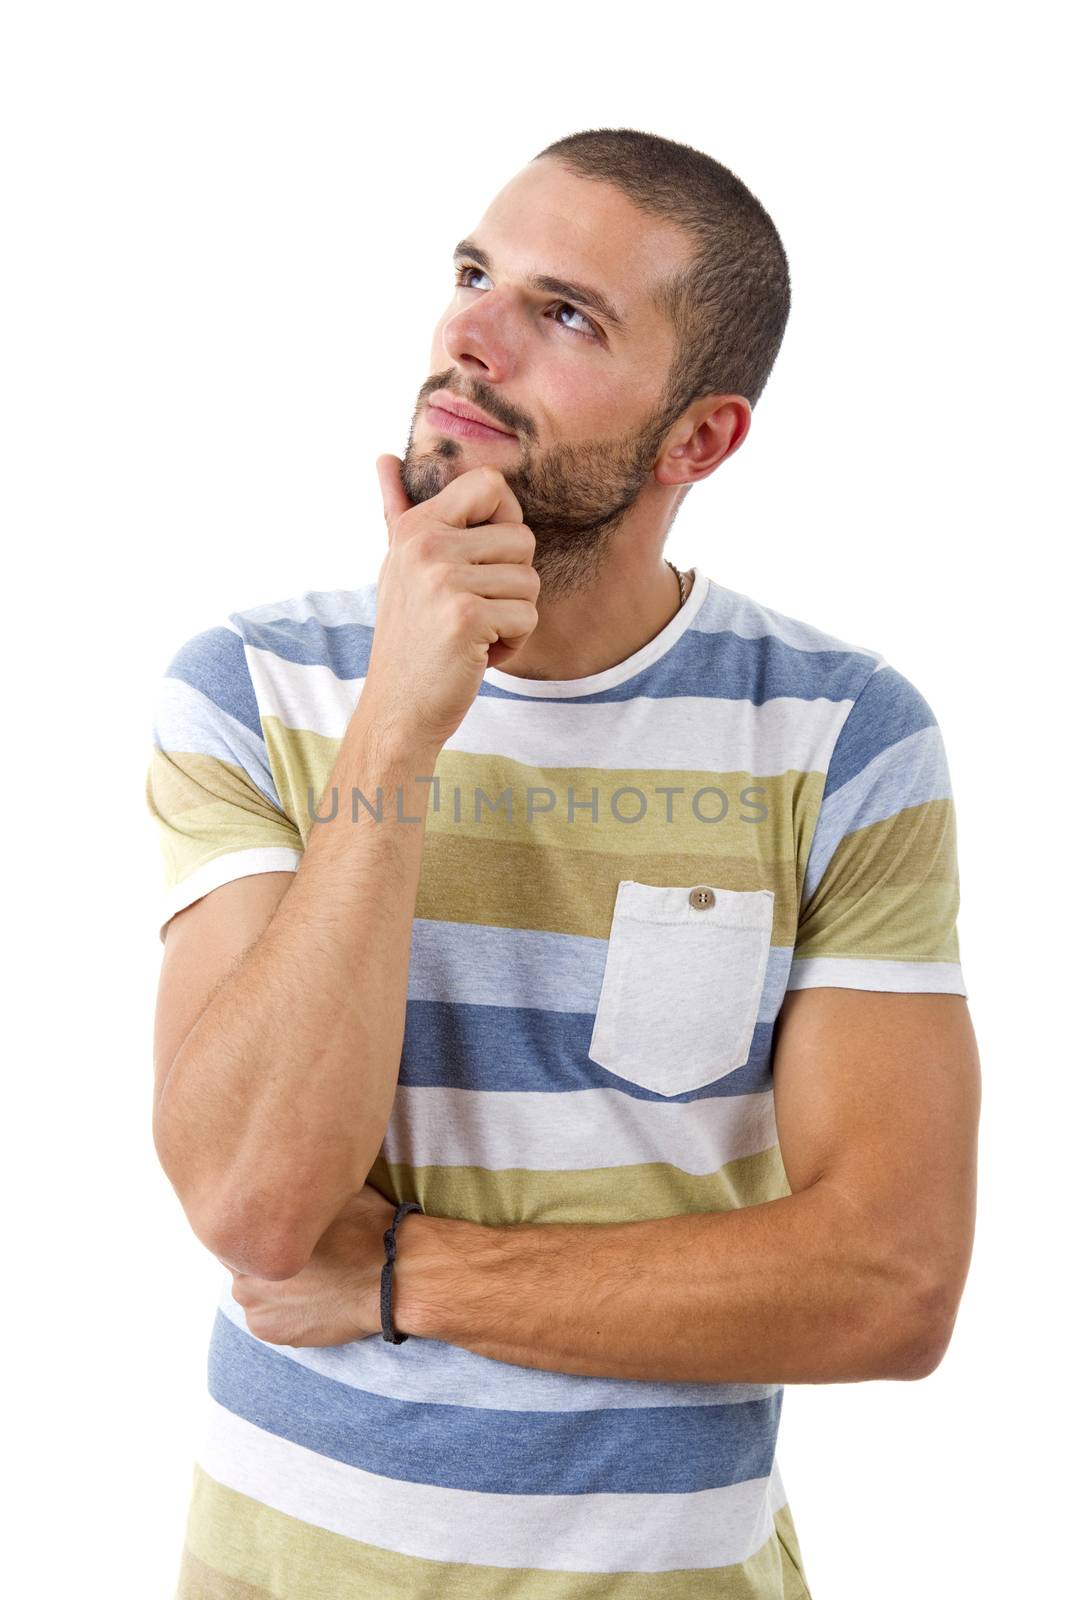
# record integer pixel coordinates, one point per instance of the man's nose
(483, 337)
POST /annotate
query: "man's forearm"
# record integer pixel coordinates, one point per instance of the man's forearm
(278, 1099)
(791, 1291)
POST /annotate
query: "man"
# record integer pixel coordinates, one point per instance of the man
(599, 909)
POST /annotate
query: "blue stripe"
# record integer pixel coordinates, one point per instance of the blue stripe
(624, 1450)
(889, 709)
(521, 1049)
(725, 667)
(718, 665)
(344, 648)
(214, 662)
(479, 963)
(449, 1371)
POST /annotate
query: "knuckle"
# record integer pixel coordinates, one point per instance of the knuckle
(427, 544)
(440, 576)
(465, 609)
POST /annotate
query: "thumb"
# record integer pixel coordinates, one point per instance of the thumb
(394, 496)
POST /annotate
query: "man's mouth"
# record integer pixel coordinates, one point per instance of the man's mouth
(455, 416)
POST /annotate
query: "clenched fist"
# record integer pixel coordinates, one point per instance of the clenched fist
(456, 594)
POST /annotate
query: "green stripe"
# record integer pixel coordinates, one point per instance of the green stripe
(301, 760)
(205, 808)
(638, 1192)
(518, 886)
(890, 892)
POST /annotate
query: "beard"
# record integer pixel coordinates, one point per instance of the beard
(574, 497)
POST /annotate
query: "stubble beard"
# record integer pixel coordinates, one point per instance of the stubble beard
(574, 497)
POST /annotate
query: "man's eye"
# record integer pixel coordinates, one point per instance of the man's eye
(562, 305)
(461, 273)
(559, 305)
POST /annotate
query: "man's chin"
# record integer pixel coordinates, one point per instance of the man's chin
(426, 474)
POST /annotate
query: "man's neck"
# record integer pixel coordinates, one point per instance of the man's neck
(588, 631)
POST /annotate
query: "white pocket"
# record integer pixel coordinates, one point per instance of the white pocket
(682, 983)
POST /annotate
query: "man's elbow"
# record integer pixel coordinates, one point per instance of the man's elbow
(252, 1240)
(265, 1240)
(255, 1255)
(924, 1329)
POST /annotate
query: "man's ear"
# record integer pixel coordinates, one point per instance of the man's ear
(712, 430)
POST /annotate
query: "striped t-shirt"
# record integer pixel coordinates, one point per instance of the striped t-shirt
(746, 805)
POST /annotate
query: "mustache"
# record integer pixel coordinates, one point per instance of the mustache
(480, 395)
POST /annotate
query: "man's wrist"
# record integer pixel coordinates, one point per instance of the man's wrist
(396, 751)
(434, 1261)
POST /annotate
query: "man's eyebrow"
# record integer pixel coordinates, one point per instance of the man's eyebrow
(582, 293)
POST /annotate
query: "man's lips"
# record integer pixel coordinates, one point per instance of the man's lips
(457, 416)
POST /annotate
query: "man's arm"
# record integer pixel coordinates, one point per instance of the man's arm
(274, 1089)
(857, 1274)
(272, 1104)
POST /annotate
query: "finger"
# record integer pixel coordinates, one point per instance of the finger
(512, 621)
(394, 496)
(511, 542)
(481, 494)
(498, 580)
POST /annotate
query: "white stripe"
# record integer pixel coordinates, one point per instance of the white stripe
(695, 733)
(188, 720)
(702, 734)
(300, 696)
(332, 607)
(574, 1132)
(729, 609)
(896, 977)
(776, 1488)
(584, 1532)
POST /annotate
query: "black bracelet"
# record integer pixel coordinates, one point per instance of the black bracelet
(389, 1333)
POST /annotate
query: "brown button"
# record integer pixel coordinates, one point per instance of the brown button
(702, 897)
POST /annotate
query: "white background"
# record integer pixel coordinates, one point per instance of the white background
(229, 231)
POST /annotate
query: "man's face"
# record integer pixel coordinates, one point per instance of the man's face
(577, 394)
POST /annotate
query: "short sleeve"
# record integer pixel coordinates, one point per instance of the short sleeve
(209, 785)
(881, 886)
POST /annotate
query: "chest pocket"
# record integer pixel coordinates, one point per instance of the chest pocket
(682, 983)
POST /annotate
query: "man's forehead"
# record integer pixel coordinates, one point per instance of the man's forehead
(563, 227)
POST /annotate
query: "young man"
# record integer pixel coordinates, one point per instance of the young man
(594, 906)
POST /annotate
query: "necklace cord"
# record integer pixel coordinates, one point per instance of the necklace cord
(682, 582)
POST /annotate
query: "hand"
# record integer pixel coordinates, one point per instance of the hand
(456, 594)
(337, 1297)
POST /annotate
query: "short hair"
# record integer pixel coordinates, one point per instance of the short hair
(730, 302)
